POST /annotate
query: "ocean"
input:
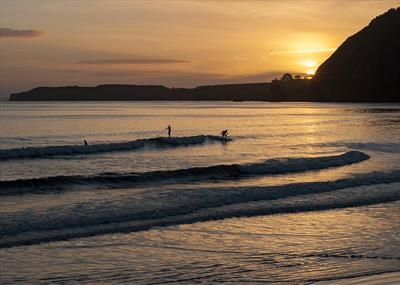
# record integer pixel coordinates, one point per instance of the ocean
(298, 192)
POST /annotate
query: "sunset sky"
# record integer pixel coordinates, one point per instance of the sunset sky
(174, 43)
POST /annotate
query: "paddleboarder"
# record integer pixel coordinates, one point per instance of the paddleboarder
(169, 131)
(166, 129)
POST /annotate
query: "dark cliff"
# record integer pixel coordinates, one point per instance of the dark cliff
(366, 67)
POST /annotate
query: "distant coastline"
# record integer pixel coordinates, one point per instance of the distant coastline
(278, 90)
(365, 68)
(283, 90)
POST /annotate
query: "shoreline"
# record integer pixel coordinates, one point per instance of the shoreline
(391, 278)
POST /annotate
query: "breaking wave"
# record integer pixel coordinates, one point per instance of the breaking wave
(368, 146)
(181, 206)
(215, 173)
(159, 142)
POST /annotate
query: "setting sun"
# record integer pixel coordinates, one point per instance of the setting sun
(311, 66)
(308, 63)
(167, 42)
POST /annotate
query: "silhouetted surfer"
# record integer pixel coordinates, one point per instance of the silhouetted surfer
(166, 129)
(224, 134)
(169, 131)
(85, 142)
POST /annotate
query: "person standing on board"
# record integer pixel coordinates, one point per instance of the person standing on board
(169, 131)
(224, 134)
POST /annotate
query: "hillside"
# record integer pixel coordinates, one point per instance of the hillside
(366, 67)
(117, 92)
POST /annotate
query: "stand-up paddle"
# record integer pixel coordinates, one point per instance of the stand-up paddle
(160, 132)
(167, 128)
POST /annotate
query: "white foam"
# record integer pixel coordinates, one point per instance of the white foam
(39, 152)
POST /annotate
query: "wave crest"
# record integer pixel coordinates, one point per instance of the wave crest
(216, 173)
(160, 142)
(175, 207)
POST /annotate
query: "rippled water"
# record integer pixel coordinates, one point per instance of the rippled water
(303, 192)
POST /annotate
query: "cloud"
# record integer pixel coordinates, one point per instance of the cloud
(255, 77)
(105, 73)
(240, 58)
(132, 61)
(10, 33)
(305, 51)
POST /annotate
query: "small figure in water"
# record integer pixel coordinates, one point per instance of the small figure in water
(85, 142)
(169, 131)
(224, 134)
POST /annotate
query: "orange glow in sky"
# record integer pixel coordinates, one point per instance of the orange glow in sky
(309, 65)
(174, 43)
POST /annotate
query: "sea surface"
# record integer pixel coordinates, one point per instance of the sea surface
(298, 192)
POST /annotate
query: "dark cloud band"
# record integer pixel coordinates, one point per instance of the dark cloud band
(11, 33)
(132, 61)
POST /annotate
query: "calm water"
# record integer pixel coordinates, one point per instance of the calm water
(302, 192)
